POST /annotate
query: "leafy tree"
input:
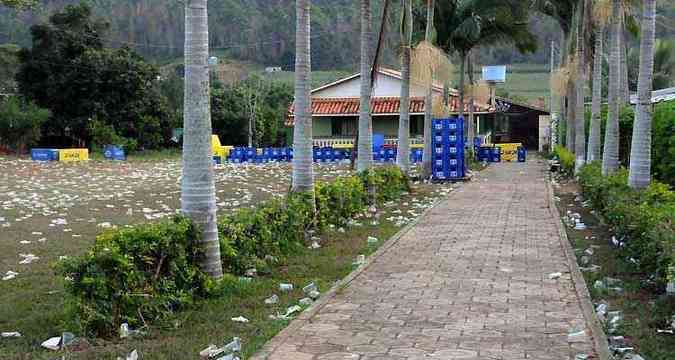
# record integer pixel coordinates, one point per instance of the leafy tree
(20, 123)
(19, 4)
(70, 72)
(9, 64)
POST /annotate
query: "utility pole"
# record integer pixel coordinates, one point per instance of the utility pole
(553, 129)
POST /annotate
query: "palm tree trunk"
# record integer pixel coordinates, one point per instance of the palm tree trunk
(303, 176)
(365, 145)
(579, 122)
(403, 157)
(571, 109)
(426, 157)
(640, 151)
(462, 70)
(624, 91)
(594, 136)
(471, 126)
(610, 153)
(198, 192)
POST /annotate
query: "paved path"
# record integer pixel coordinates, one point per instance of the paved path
(469, 281)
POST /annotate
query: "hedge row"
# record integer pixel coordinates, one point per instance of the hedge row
(147, 272)
(642, 220)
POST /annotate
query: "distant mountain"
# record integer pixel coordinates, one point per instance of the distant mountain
(262, 31)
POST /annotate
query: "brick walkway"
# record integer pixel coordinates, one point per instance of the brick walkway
(469, 281)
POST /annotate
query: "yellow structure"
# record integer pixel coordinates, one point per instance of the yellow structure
(71, 155)
(509, 151)
(218, 149)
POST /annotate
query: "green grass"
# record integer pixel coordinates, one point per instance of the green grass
(643, 308)
(319, 78)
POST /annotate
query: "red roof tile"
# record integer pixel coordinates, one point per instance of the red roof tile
(379, 106)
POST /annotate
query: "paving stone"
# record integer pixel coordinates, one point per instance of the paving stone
(468, 281)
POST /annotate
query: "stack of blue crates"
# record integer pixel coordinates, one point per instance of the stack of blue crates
(447, 144)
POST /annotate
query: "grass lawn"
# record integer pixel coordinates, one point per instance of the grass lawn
(56, 209)
(644, 310)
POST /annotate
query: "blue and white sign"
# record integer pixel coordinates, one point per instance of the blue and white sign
(494, 74)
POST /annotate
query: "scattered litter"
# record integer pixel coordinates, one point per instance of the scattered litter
(11, 334)
(614, 319)
(251, 272)
(314, 294)
(272, 300)
(315, 245)
(580, 226)
(372, 240)
(9, 275)
(576, 336)
(126, 331)
(28, 258)
(289, 312)
(240, 319)
(285, 287)
(305, 301)
(52, 343)
(309, 288)
(554, 276)
(589, 251)
(360, 260)
(601, 310)
(581, 357)
(133, 355)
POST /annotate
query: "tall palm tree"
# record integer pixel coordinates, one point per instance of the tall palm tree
(463, 25)
(580, 128)
(403, 157)
(610, 153)
(198, 193)
(303, 176)
(365, 142)
(640, 152)
(428, 99)
(600, 20)
(624, 91)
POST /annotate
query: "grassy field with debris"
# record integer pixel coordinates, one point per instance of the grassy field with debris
(50, 210)
(642, 310)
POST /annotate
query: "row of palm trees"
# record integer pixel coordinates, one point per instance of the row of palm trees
(453, 26)
(588, 20)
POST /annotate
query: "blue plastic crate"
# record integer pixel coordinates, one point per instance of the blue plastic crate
(44, 154)
(522, 154)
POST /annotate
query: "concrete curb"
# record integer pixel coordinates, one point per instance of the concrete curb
(307, 315)
(597, 332)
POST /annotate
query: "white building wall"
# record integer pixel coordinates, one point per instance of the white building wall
(385, 86)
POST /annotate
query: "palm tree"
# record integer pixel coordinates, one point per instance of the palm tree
(463, 25)
(365, 142)
(600, 19)
(403, 157)
(428, 99)
(303, 176)
(640, 152)
(580, 128)
(198, 193)
(610, 153)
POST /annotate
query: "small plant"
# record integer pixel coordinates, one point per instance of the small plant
(566, 159)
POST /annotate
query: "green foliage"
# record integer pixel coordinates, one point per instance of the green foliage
(19, 4)
(643, 219)
(134, 275)
(20, 123)
(663, 143)
(9, 64)
(114, 86)
(103, 134)
(566, 159)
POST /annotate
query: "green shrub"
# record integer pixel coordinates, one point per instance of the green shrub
(643, 219)
(663, 143)
(20, 123)
(566, 160)
(132, 275)
(145, 273)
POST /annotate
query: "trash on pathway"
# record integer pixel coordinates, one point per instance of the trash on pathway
(576, 336)
(229, 349)
(582, 357)
(372, 240)
(592, 268)
(9, 275)
(619, 345)
(240, 319)
(126, 331)
(285, 287)
(305, 301)
(314, 295)
(11, 334)
(555, 275)
(580, 226)
(589, 251)
(315, 245)
(585, 260)
(272, 300)
(360, 260)
(614, 319)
